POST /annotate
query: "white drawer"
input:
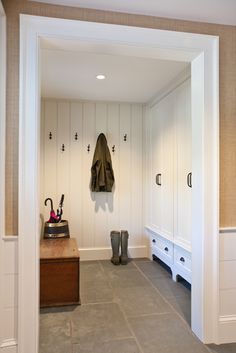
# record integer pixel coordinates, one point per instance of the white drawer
(165, 246)
(182, 258)
(162, 248)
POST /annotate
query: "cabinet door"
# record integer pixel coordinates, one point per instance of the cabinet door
(167, 132)
(156, 167)
(183, 165)
(162, 167)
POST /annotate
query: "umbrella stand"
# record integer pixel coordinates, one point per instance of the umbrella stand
(55, 227)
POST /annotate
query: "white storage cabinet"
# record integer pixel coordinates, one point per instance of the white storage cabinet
(169, 223)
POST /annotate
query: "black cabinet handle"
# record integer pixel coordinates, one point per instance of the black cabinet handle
(158, 179)
(166, 249)
(189, 180)
(153, 240)
(182, 259)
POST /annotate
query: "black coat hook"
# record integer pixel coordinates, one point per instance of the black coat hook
(113, 148)
(50, 135)
(125, 137)
(63, 147)
(88, 148)
(76, 136)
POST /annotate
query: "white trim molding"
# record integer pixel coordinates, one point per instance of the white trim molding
(10, 238)
(227, 230)
(2, 116)
(177, 81)
(2, 158)
(227, 329)
(87, 254)
(8, 346)
(8, 343)
(199, 50)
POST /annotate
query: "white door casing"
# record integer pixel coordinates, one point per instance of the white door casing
(2, 115)
(2, 157)
(202, 52)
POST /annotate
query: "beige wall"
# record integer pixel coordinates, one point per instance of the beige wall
(227, 36)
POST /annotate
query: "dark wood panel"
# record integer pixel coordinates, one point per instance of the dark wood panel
(59, 276)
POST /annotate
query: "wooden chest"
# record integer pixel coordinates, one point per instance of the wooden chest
(59, 272)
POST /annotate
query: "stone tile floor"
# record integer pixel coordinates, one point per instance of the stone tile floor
(125, 309)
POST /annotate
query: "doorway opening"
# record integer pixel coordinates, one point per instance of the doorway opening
(201, 52)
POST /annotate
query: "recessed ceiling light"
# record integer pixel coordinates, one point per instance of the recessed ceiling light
(100, 77)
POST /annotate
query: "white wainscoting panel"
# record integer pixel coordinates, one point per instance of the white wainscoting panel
(227, 274)
(75, 126)
(227, 320)
(228, 246)
(228, 302)
(8, 335)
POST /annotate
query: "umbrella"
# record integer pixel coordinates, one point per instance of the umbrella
(59, 210)
(53, 217)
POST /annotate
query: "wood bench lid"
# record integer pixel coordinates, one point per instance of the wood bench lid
(63, 248)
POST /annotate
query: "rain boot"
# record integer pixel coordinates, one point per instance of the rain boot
(115, 244)
(124, 247)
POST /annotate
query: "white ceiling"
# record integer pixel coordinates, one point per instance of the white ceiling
(212, 11)
(72, 74)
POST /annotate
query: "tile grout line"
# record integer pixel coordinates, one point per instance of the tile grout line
(145, 315)
(101, 267)
(130, 328)
(72, 345)
(119, 339)
(161, 295)
(175, 311)
(125, 317)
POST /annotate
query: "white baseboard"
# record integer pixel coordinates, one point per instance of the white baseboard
(8, 346)
(105, 253)
(227, 329)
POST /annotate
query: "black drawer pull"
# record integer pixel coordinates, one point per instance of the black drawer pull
(182, 259)
(189, 180)
(166, 249)
(158, 179)
(153, 240)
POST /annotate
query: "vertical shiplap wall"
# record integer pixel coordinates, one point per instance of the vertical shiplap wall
(93, 215)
